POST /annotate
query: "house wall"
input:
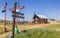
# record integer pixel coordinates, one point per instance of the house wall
(40, 21)
(36, 20)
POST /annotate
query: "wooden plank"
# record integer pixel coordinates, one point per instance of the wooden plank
(18, 16)
(18, 13)
(19, 7)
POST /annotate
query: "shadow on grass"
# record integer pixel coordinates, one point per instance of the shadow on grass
(24, 31)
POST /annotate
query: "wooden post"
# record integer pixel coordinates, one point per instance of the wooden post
(14, 19)
(4, 10)
(5, 29)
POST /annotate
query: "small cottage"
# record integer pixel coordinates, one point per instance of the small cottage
(40, 19)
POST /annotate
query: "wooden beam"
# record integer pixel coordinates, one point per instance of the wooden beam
(18, 16)
(18, 13)
(19, 7)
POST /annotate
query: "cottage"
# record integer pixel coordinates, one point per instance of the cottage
(40, 19)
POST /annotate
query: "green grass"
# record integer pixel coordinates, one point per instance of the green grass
(38, 33)
(43, 32)
(56, 26)
(1, 30)
(2, 26)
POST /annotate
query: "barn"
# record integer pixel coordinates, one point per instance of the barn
(40, 19)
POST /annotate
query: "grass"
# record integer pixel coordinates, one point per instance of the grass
(2, 26)
(52, 26)
(38, 33)
(1, 30)
(43, 32)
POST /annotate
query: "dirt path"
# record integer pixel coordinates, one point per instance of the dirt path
(2, 35)
(25, 27)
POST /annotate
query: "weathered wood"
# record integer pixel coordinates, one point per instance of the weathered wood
(18, 16)
(18, 13)
(19, 7)
(14, 19)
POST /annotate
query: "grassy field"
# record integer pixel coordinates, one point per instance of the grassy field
(38, 33)
(2, 26)
(53, 26)
(43, 32)
(1, 30)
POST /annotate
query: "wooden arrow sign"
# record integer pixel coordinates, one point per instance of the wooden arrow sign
(18, 13)
(19, 7)
(18, 16)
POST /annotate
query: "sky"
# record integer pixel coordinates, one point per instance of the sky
(50, 8)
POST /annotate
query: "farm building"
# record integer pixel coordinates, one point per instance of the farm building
(40, 19)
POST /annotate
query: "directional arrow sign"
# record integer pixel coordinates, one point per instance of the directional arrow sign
(19, 7)
(18, 16)
(18, 13)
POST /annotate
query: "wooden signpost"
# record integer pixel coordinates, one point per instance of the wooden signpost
(15, 15)
(4, 11)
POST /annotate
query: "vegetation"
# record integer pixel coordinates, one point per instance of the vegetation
(1, 30)
(43, 32)
(53, 19)
(38, 33)
(53, 26)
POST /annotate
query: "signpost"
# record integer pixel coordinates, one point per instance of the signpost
(14, 19)
(4, 11)
(5, 29)
(15, 15)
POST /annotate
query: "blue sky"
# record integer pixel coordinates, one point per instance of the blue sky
(50, 8)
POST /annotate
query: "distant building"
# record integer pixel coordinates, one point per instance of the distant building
(40, 19)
